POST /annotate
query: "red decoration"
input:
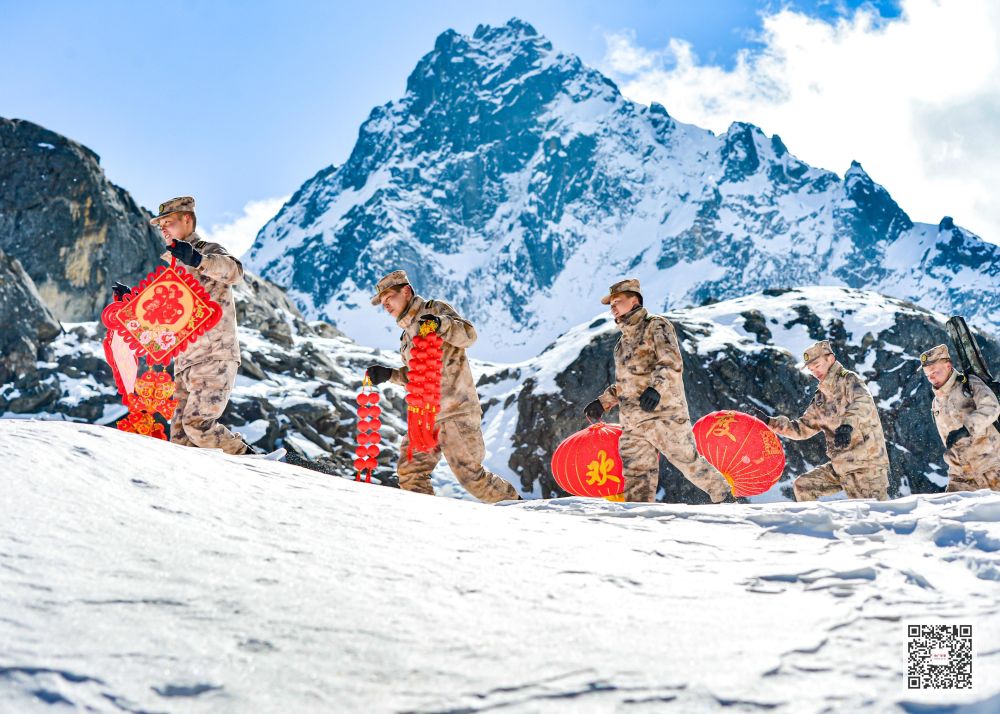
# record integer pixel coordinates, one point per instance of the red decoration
(368, 431)
(164, 314)
(153, 393)
(423, 390)
(587, 463)
(743, 448)
(123, 361)
(142, 423)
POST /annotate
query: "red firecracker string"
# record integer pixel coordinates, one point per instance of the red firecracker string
(423, 390)
(369, 437)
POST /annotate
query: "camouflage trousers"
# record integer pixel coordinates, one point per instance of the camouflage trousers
(461, 441)
(202, 394)
(640, 447)
(962, 481)
(872, 482)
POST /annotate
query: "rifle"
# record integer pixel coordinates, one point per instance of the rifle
(970, 356)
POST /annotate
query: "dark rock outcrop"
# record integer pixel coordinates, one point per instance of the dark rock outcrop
(28, 325)
(74, 231)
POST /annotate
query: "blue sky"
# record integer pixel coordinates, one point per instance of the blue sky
(240, 101)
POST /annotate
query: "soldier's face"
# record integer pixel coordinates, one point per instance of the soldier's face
(938, 373)
(395, 301)
(622, 304)
(176, 226)
(821, 366)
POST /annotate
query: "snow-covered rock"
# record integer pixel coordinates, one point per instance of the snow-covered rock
(516, 182)
(737, 353)
(140, 576)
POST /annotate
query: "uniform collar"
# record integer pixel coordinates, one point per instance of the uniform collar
(831, 378)
(412, 311)
(631, 319)
(948, 385)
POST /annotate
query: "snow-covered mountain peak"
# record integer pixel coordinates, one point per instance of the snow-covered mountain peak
(518, 183)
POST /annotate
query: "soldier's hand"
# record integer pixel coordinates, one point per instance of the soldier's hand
(649, 399)
(594, 410)
(842, 436)
(956, 436)
(759, 413)
(186, 253)
(435, 321)
(379, 374)
(120, 290)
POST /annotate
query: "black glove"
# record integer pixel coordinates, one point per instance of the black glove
(435, 321)
(956, 436)
(378, 374)
(594, 410)
(649, 399)
(842, 436)
(760, 414)
(120, 290)
(185, 253)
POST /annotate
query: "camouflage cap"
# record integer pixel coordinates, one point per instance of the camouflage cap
(174, 205)
(395, 279)
(935, 354)
(627, 285)
(817, 350)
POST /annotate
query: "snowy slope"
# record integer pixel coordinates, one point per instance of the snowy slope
(139, 576)
(518, 183)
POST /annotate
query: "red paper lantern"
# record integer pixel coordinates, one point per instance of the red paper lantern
(587, 463)
(743, 448)
(144, 424)
(153, 393)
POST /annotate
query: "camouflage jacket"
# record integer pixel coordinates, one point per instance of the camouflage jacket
(458, 390)
(967, 401)
(217, 273)
(647, 355)
(841, 398)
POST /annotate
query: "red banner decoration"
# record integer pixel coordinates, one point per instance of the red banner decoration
(743, 448)
(423, 390)
(587, 463)
(161, 317)
(123, 361)
(369, 437)
(153, 394)
(164, 314)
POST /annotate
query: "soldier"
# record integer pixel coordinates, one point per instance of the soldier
(649, 392)
(460, 437)
(205, 372)
(965, 410)
(843, 409)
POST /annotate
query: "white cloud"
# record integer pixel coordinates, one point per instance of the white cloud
(238, 235)
(914, 99)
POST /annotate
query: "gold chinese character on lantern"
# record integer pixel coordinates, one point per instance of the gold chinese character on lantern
(599, 470)
(721, 426)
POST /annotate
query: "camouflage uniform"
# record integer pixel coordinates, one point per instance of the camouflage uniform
(460, 436)
(973, 462)
(206, 371)
(861, 468)
(648, 355)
